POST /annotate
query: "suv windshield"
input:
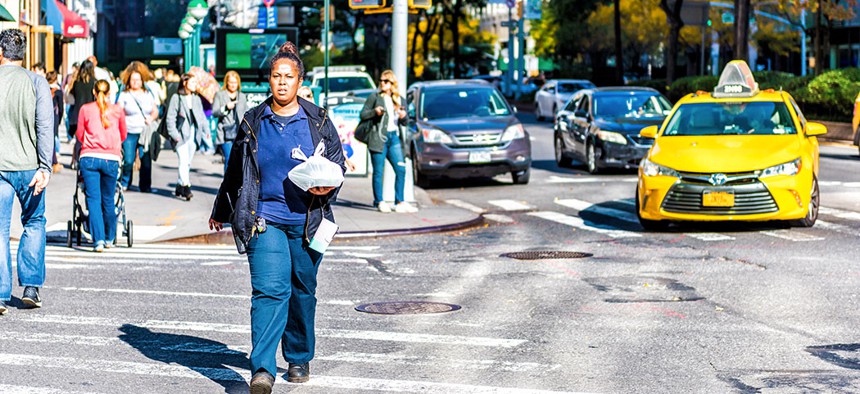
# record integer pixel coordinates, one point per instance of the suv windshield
(762, 118)
(454, 102)
(343, 84)
(614, 105)
(572, 87)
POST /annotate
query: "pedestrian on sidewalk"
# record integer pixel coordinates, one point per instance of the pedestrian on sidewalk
(273, 219)
(101, 131)
(59, 106)
(388, 117)
(141, 114)
(26, 125)
(229, 107)
(187, 126)
(81, 89)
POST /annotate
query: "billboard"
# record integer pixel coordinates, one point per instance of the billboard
(248, 51)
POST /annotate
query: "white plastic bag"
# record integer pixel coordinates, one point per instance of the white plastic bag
(316, 171)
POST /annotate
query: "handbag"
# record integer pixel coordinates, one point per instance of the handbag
(150, 139)
(362, 131)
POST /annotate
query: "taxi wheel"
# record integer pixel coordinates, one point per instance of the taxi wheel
(591, 159)
(650, 225)
(814, 203)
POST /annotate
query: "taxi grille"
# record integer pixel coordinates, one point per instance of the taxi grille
(750, 198)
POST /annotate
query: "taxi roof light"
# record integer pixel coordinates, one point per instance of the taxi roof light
(736, 81)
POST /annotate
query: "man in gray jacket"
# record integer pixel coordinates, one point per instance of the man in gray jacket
(26, 135)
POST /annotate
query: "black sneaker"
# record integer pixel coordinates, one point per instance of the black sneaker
(262, 382)
(179, 192)
(31, 297)
(3, 308)
(299, 373)
(187, 192)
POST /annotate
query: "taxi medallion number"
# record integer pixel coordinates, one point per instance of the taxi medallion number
(480, 157)
(714, 198)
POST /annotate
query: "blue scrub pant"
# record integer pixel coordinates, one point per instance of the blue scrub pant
(283, 301)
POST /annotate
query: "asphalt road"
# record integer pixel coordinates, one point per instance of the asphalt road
(706, 309)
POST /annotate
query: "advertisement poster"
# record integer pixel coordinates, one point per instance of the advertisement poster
(345, 118)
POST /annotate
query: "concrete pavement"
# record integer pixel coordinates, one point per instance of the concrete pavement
(161, 217)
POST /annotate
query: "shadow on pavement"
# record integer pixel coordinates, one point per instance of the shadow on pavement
(206, 357)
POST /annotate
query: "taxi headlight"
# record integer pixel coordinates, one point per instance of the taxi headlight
(649, 168)
(611, 136)
(790, 168)
(436, 136)
(513, 132)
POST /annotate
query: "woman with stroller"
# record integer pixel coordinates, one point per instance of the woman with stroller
(101, 131)
(187, 126)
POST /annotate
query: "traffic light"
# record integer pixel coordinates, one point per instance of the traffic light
(367, 4)
(424, 4)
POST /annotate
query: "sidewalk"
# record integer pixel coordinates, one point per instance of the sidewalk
(161, 217)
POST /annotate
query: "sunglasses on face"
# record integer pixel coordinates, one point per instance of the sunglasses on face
(385, 81)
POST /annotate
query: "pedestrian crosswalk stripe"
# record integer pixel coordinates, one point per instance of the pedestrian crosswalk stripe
(498, 218)
(10, 389)
(839, 228)
(581, 224)
(235, 374)
(465, 205)
(839, 213)
(560, 179)
(510, 205)
(100, 341)
(152, 292)
(424, 360)
(710, 236)
(439, 339)
(791, 235)
(581, 206)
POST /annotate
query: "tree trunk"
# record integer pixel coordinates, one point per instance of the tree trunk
(619, 54)
(742, 29)
(673, 13)
(455, 36)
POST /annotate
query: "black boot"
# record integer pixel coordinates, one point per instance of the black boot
(299, 373)
(186, 192)
(179, 192)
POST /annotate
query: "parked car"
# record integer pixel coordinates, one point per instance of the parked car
(527, 87)
(343, 81)
(555, 93)
(464, 128)
(736, 153)
(601, 126)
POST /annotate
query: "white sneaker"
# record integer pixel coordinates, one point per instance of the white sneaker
(405, 208)
(383, 207)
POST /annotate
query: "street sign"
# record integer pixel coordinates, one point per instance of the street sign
(532, 9)
(422, 4)
(511, 3)
(271, 18)
(728, 17)
(366, 4)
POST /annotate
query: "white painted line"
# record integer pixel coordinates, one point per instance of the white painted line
(839, 213)
(510, 205)
(423, 360)
(152, 292)
(148, 233)
(9, 389)
(791, 235)
(114, 254)
(580, 224)
(560, 179)
(710, 237)
(580, 206)
(362, 255)
(341, 302)
(86, 340)
(244, 329)
(239, 375)
(839, 228)
(498, 218)
(215, 263)
(466, 206)
(57, 227)
(359, 248)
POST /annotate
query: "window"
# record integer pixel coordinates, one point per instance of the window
(614, 105)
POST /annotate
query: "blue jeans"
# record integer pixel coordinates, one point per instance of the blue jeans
(31, 249)
(100, 187)
(393, 151)
(283, 301)
(130, 150)
(226, 147)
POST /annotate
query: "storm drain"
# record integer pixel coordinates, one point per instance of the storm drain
(546, 254)
(406, 307)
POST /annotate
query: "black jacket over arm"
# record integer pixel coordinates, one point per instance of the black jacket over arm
(236, 202)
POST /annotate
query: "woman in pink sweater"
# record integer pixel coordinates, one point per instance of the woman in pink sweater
(101, 130)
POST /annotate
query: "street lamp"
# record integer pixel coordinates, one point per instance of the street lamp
(198, 9)
(189, 31)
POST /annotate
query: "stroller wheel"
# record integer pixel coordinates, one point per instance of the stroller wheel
(69, 232)
(129, 230)
(78, 234)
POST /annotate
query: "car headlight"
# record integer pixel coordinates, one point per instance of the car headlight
(436, 136)
(513, 132)
(790, 168)
(611, 136)
(650, 168)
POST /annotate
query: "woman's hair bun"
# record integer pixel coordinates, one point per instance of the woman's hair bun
(289, 47)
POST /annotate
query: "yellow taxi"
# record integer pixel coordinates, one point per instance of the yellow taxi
(735, 154)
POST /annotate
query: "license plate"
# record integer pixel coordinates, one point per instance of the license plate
(712, 198)
(480, 157)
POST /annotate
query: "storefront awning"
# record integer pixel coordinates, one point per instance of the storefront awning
(65, 21)
(5, 16)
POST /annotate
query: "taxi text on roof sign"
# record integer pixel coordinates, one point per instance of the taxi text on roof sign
(736, 81)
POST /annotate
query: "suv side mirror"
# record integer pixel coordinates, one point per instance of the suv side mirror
(815, 128)
(649, 132)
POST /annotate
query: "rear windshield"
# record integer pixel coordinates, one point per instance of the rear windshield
(762, 118)
(573, 87)
(343, 84)
(462, 102)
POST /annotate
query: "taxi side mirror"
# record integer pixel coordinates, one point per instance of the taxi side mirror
(649, 132)
(814, 128)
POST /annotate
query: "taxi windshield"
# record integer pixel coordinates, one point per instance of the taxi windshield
(756, 118)
(616, 105)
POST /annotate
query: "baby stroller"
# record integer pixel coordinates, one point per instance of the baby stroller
(80, 214)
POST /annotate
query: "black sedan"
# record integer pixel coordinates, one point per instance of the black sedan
(600, 126)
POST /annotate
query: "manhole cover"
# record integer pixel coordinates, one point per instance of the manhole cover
(406, 307)
(546, 254)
